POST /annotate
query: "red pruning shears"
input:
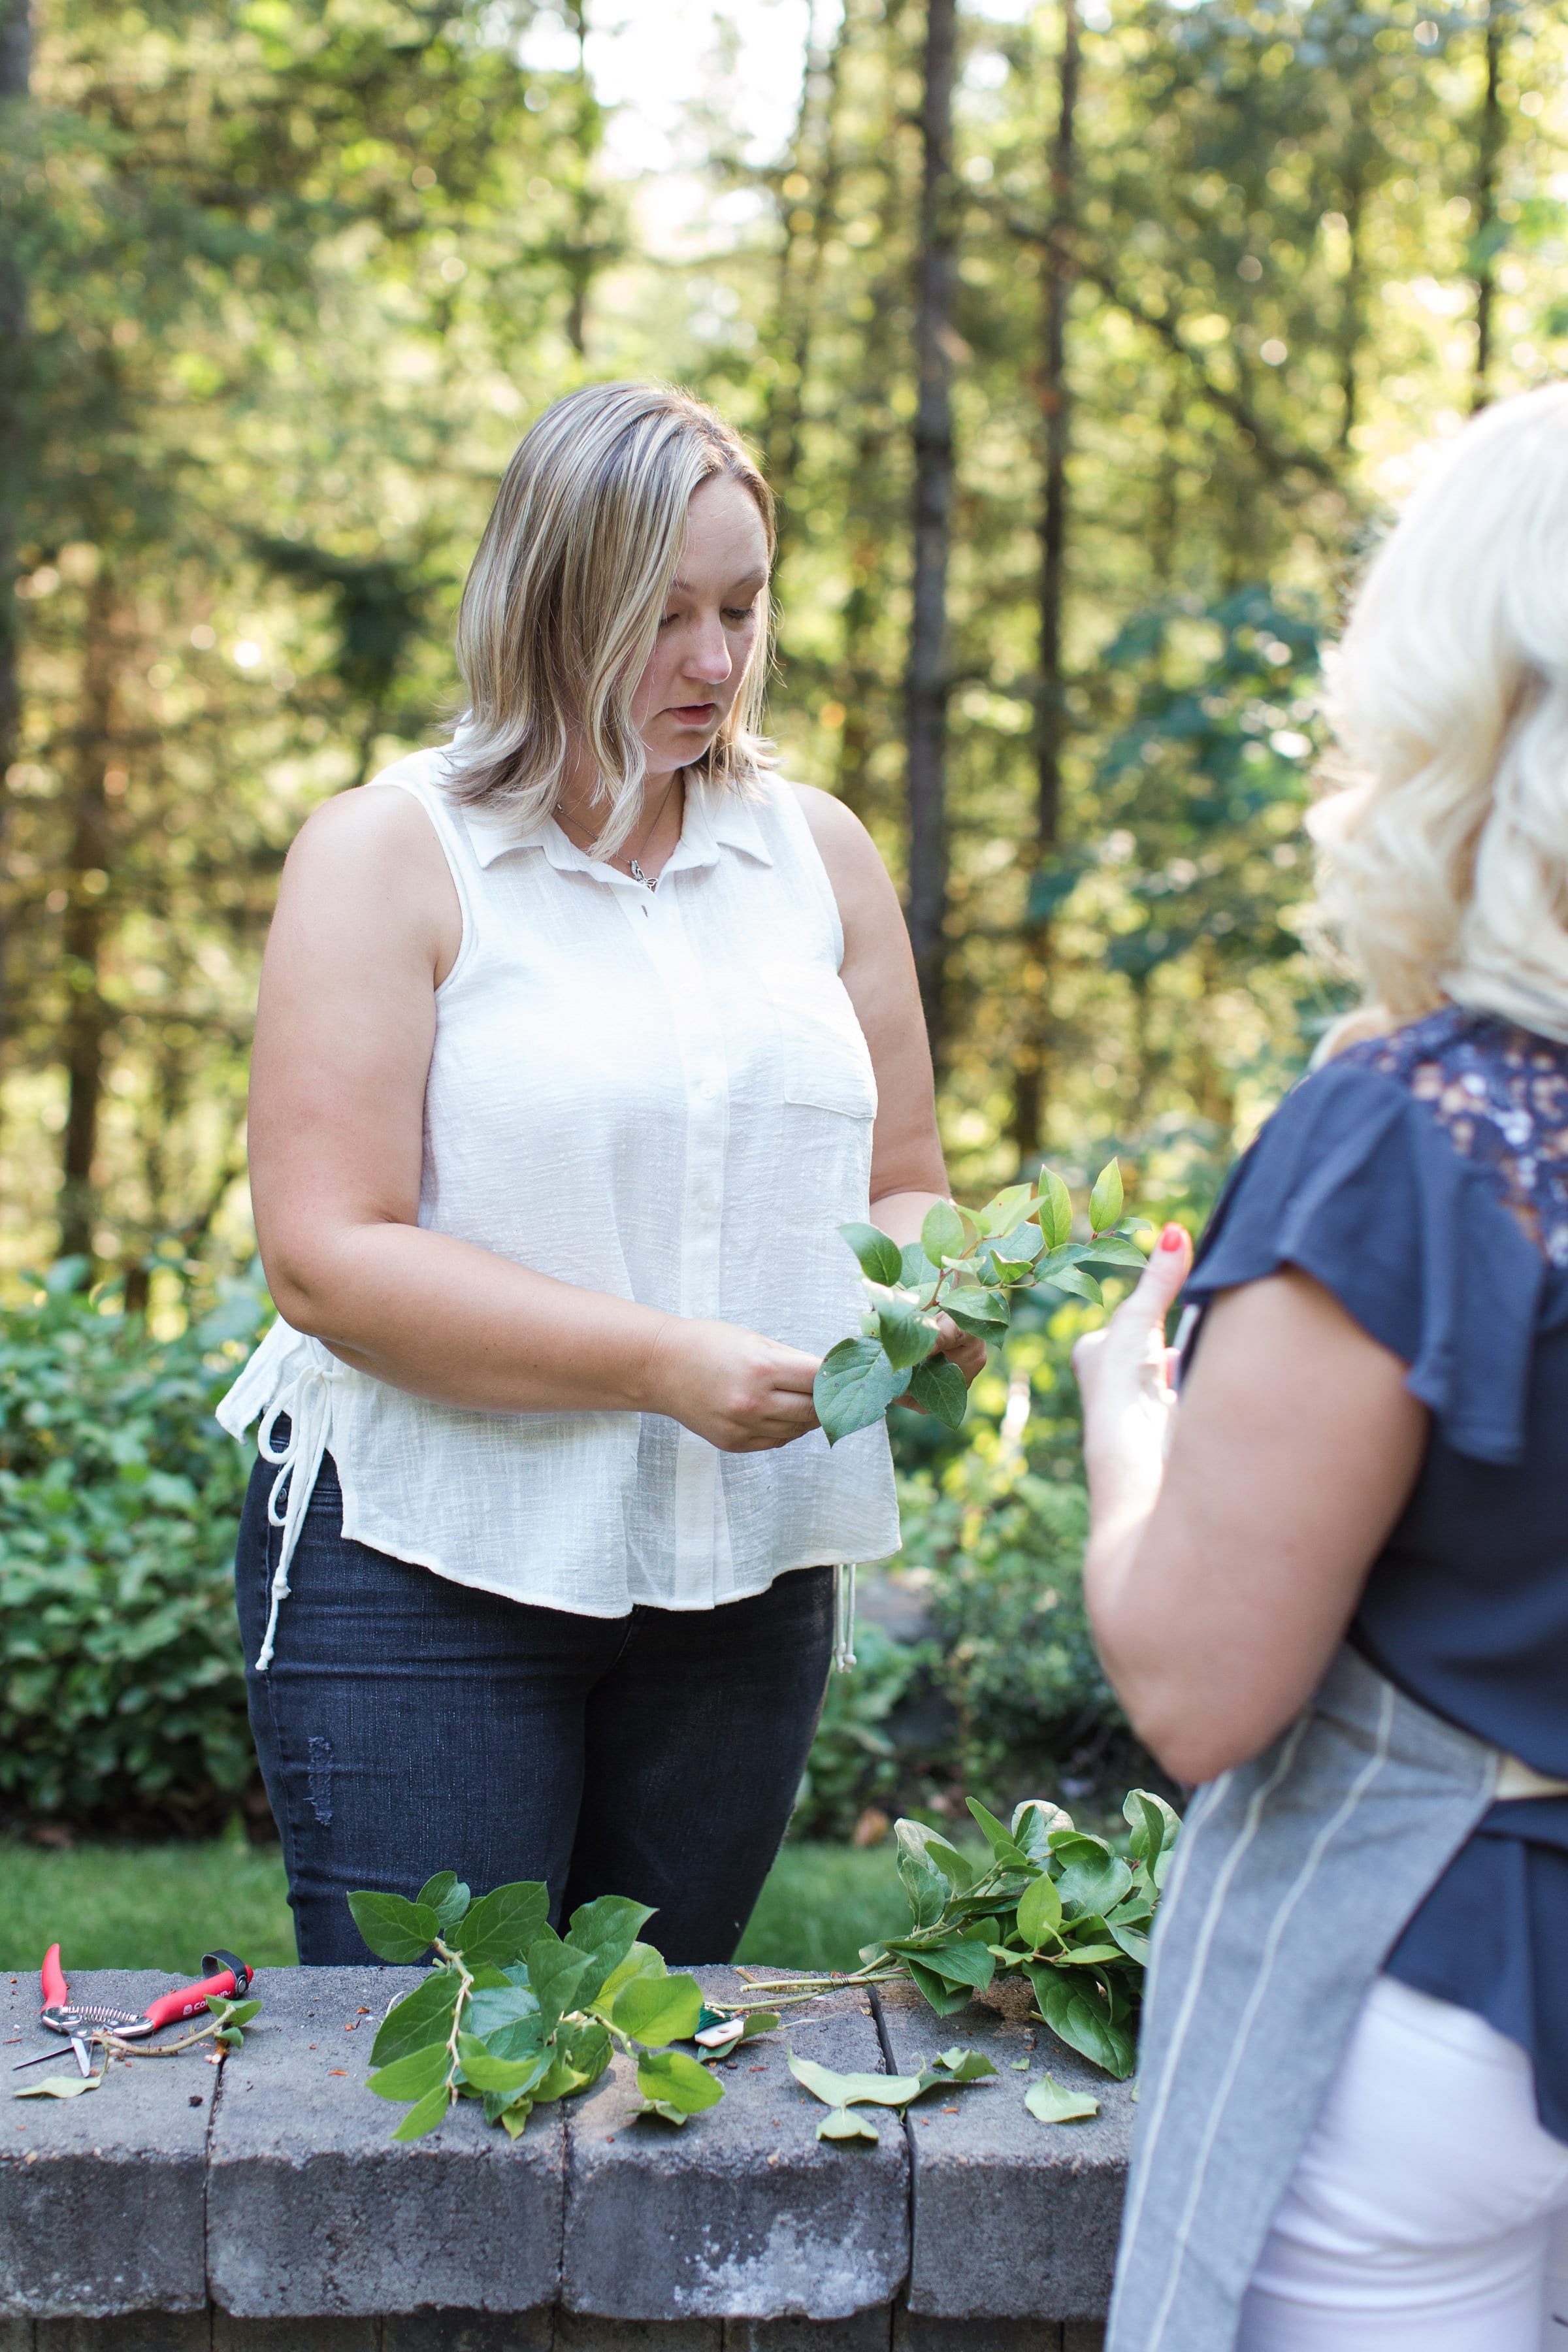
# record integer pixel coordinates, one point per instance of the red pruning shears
(77, 2020)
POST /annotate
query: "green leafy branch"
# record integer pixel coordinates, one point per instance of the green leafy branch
(1055, 1906)
(517, 2016)
(965, 1266)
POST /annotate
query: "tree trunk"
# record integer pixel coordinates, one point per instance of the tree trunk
(16, 66)
(582, 255)
(1050, 716)
(807, 225)
(926, 679)
(88, 863)
(1490, 138)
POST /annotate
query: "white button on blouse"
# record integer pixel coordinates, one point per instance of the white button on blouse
(665, 1095)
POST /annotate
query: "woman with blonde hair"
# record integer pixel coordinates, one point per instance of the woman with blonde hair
(577, 1039)
(1332, 1586)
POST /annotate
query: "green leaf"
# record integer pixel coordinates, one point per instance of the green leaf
(669, 2079)
(843, 2123)
(394, 1929)
(555, 1969)
(929, 1871)
(410, 2077)
(915, 1269)
(965, 2065)
(942, 1231)
(1006, 1210)
(606, 1930)
(513, 2118)
(422, 2016)
(58, 2086)
(642, 1960)
(946, 1999)
(984, 1314)
(1155, 1827)
(655, 2010)
(234, 2012)
(502, 2008)
(942, 1390)
(1075, 1282)
(1105, 1203)
(855, 1385)
(960, 1963)
(855, 2090)
(1050, 2104)
(1000, 1841)
(1115, 1249)
(502, 1925)
(588, 2050)
(908, 1337)
(1076, 2012)
(445, 1896)
(1039, 1910)
(1055, 1209)
(487, 2072)
(1133, 1942)
(1033, 1823)
(881, 1260)
(759, 2021)
(1084, 1955)
(1092, 1878)
(424, 2117)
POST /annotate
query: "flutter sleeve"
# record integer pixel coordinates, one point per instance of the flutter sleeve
(1354, 1182)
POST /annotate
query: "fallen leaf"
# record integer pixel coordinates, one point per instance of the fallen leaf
(1049, 2103)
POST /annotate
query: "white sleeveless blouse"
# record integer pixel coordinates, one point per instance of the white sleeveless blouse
(665, 1095)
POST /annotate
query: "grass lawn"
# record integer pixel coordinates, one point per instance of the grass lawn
(161, 1906)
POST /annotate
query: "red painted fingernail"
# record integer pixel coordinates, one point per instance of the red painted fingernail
(1172, 1237)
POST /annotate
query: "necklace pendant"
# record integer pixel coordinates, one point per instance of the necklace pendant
(639, 875)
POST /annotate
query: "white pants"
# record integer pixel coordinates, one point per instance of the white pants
(1429, 2210)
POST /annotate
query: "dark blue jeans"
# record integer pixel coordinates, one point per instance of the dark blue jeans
(408, 1725)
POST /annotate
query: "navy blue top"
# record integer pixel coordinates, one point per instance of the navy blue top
(1423, 1179)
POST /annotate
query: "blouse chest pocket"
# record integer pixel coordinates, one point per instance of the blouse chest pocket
(823, 1061)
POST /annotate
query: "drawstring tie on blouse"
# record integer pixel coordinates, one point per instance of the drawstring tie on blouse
(306, 1404)
(843, 1617)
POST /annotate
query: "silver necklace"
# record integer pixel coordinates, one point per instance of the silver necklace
(633, 868)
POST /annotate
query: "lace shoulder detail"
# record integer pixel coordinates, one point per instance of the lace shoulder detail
(1500, 1094)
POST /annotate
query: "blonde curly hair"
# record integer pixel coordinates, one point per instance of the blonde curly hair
(1444, 834)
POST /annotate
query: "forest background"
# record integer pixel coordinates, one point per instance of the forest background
(1087, 344)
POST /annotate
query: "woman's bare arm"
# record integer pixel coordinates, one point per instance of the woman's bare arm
(367, 925)
(1221, 1582)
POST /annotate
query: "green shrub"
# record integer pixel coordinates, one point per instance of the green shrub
(1004, 1550)
(122, 1685)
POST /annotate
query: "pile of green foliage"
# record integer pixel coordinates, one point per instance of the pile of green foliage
(122, 1685)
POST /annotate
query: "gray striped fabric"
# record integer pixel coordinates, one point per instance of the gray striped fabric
(1291, 1882)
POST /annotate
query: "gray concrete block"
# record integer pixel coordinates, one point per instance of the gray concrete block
(17, 2336)
(312, 2211)
(1083, 2336)
(468, 2331)
(100, 2197)
(744, 2213)
(580, 2332)
(294, 2334)
(136, 2331)
(867, 2331)
(917, 2332)
(1012, 2219)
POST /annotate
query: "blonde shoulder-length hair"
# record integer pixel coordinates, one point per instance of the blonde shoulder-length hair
(1444, 850)
(563, 601)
